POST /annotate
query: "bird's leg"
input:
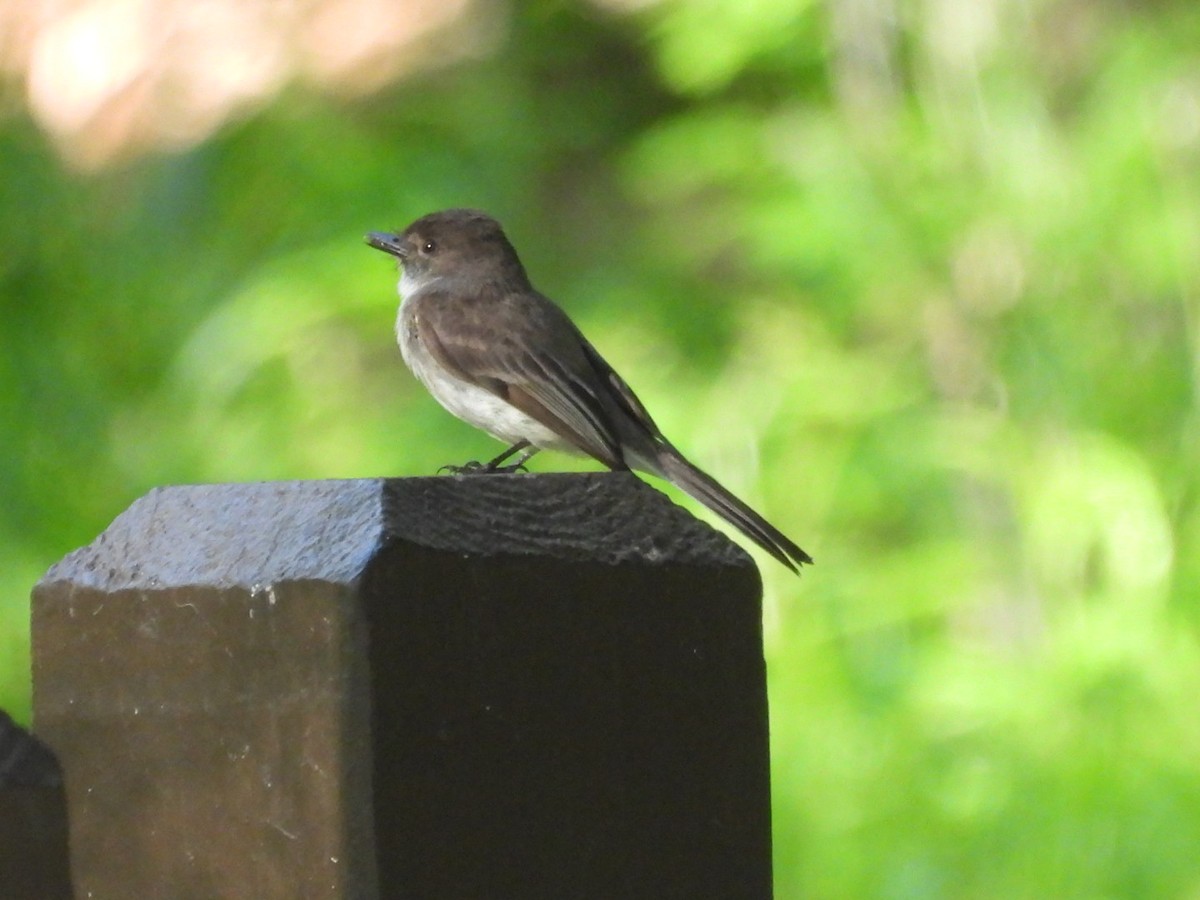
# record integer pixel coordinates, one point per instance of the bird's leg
(494, 465)
(477, 468)
(526, 452)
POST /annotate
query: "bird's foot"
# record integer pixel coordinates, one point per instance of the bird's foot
(507, 470)
(475, 467)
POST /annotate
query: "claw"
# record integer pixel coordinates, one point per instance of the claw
(475, 467)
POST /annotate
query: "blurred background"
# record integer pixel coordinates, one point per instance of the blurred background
(919, 279)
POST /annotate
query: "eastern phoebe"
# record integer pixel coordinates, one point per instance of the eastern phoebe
(506, 359)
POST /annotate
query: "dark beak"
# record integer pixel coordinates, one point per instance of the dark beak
(388, 243)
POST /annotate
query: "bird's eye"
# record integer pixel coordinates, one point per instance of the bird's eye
(428, 247)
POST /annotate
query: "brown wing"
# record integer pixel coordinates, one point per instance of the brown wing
(523, 349)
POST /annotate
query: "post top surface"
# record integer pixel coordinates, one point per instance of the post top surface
(253, 533)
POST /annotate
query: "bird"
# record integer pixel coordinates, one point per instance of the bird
(505, 358)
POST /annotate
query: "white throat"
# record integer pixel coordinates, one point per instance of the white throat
(407, 285)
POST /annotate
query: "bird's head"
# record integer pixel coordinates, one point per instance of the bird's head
(451, 245)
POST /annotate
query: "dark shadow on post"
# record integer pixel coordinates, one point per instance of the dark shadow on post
(524, 686)
(34, 862)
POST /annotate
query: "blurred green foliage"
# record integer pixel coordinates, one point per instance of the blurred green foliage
(919, 279)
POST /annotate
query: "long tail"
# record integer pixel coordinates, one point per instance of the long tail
(704, 488)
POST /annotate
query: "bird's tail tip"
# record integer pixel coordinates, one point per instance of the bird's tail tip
(709, 491)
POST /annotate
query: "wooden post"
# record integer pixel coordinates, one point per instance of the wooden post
(483, 686)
